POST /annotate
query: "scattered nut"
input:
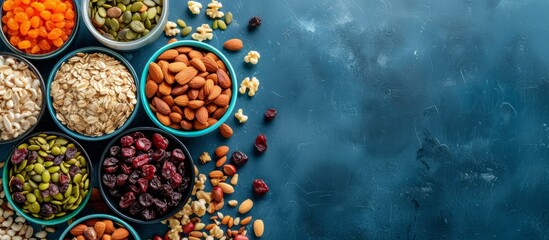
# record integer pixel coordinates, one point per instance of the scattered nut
(204, 32)
(233, 203)
(194, 7)
(205, 157)
(252, 57)
(171, 29)
(252, 85)
(240, 116)
(213, 9)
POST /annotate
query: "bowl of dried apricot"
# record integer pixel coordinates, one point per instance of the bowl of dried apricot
(38, 29)
(188, 88)
(100, 226)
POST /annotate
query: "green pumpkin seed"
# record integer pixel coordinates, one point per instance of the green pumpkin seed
(68, 192)
(127, 17)
(63, 149)
(46, 176)
(70, 145)
(48, 164)
(34, 207)
(51, 137)
(149, 3)
(58, 203)
(148, 24)
(42, 153)
(137, 26)
(114, 25)
(229, 18)
(102, 12)
(24, 145)
(158, 2)
(99, 21)
(86, 184)
(185, 31)
(39, 168)
(26, 187)
(214, 24)
(64, 169)
(130, 35)
(72, 200)
(37, 178)
(58, 196)
(181, 23)
(42, 140)
(54, 169)
(60, 214)
(43, 186)
(54, 176)
(136, 6)
(151, 13)
(30, 197)
(56, 151)
(61, 141)
(77, 178)
(136, 17)
(32, 184)
(33, 147)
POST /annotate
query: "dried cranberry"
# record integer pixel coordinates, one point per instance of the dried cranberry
(52, 190)
(49, 158)
(135, 188)
(159, 155)
(63, 187)
(181, 168)
(109, 180)
(70, 153)
(19, 198)
(63, 178)
(143, 184)
(260, 187)
(127, 169)
(115, 193)
(111, 161)
(270, 114)
(254, 23)
(135, 208)
(155, 183)
(16, 184)
(134, 176)
(73, 170)
(140, 160)
(143, 144)
(156, 237)
(121, 179)
(178, 155)
(161, 205)
(239, 158)
(128, 152)
(136, 135)
(19, 155)
(145, 199)
(176, 180)
(126, 141)
(114, 150)
(111, 169)
(261, 143)
(159, 141)
(148, 171)
(174, 198)
(33, 155)
(188, 228)
(126, 200)
(165, 190)
(168, 170)
(148, 214)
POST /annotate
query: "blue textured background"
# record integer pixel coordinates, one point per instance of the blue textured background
(402, 119)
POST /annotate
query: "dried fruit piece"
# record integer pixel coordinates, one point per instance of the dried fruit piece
(254, 23)
(270, 114)
(239, 158)
(261, 143)
(260, 187)
(217, 194)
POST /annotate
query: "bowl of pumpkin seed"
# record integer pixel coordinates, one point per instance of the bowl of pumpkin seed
(125, 24)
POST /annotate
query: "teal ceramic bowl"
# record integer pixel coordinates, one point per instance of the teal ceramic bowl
(51, 54)
(49, 101)
(54, 221)
(197, 45)
(117, 223)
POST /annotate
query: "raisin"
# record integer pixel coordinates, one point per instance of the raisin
(140, 160)
(145, 199)
(114, 150)
(126, 200)
(46, 210)
(254, 23)
(109, 180)
(19, 155)
(16, 184)
(111, 169)
(121, 179)
(136, 135)
(178, 155)
(126, 168)
(134, 188)
(155, 183)
(128, 152)
(135, 208)
(143, 144)
(159, 141)
(159, 155)
(109, 162)
(53, 189)
(70, 153)
(148, 214)
(270, 113)
(115, 193)
(19, 198)
(168, 170)
(261, 143)
(134, 176)
(160, 205)
(165, 190)
(143, 184)
(173, 199)
(239, 158)
(176, 180)
(58, 160)
(126, 141)
(260, 187)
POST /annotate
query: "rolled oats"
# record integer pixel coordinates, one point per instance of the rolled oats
(93, 94)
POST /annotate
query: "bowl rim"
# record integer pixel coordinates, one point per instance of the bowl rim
(91, 50)
(52, 53)
(42, 88)
(202, 46)
(53, 221)
(100, 216)
(107, 198)
(136, 42)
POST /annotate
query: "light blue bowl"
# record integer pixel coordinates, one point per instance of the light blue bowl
(197, 45)
(49, 99)
(117, 221)
(51, 54)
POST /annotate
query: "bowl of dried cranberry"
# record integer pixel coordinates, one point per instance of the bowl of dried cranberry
(146, 175)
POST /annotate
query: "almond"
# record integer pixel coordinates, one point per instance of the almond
(119, 234)
(177, 109)
(179, 89)
(169, 78)
(216, 174)
(169, 55)
(176, 67)
(182, 58)
(175, 117)
(195, 54)
(155, 73)
(222, 100)
(225, 130)
(106, 237)
(161, 106)
(150, 88)
(198, 64)
(216, 90)
(152, 107)
(195, 104)
(213, 77)
(165, 120)
(223, 79)
(221, 64)
(227, 188)
(182, 100)
(197, 82)
(221, 151)
(199, 126)
(183, 49)
(186, 75)
(219, 112)
(211, 108)
(186, 125)
(175, 125)
(212, 121)
(234, 44)
(221, 161)
(203, 74)
(208, 86)
(212, 56)
(100, 228)
(210, 64)
(201, 115)
(258, 228)
(193, 94)
(169, 100)
(245, 206)
(164, 88)
(246, 220)
(109, 226)
(78, 229)
(188, 113)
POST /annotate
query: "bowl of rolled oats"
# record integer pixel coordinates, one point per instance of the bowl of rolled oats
(21, 97)
(92, 93)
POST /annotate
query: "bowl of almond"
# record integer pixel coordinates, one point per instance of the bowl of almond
(188, 88)
(100, 226)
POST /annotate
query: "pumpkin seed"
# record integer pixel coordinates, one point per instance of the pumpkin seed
(185, 31)
(229, 18)
(102, 12)
(136, 6)
(181, 23)
(214, 24)
(221, 24)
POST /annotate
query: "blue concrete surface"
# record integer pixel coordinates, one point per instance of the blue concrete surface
(398, 119)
